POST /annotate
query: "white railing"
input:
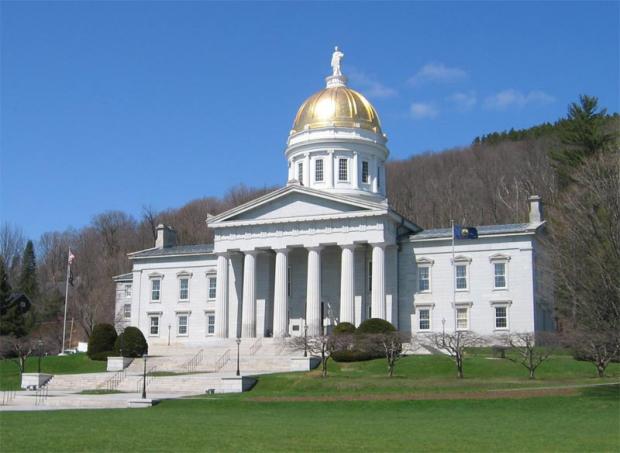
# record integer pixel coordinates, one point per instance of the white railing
(114, 381)
(222, 360)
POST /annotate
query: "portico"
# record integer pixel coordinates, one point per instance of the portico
(317, 270)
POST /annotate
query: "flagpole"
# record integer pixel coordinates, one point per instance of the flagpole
(64, 319)
(453, 274)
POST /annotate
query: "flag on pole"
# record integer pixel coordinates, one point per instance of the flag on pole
(71, 257)
(465, 232)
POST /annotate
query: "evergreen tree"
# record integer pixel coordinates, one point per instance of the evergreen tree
(5, 287)
(583, 134)
(28, 276)
(15, 316)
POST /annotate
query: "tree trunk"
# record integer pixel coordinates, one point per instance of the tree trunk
(459, 367)
(600, 369)
(532, 373)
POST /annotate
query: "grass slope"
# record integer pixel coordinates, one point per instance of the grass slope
(71, 364)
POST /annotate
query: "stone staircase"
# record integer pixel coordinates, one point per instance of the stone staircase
(196, 369)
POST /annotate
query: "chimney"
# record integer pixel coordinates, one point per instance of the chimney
(166, 237)
(536, 213)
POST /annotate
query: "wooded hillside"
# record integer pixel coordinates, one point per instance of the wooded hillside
(487, 182)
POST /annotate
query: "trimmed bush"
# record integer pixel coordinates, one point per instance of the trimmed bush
(375, 325)
(101, 341)
(352, 356)
(344, 328)
(132, 342)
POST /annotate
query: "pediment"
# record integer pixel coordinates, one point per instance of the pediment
(295, 204)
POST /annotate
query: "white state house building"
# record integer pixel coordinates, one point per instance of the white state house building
(328, 248)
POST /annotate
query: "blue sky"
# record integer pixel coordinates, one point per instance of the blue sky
(117, 105)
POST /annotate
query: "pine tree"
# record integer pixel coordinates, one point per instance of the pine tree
(5, 287)
(15, 317)
(583, 134)
(28, 276)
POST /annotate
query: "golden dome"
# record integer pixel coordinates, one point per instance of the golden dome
(337, 106)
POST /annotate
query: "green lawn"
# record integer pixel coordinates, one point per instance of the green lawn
(71, 364)
(580, 423)
(587, 419)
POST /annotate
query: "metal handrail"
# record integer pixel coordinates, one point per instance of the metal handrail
(41, 395)
(149, 378)
(7, 396)
(193, 363)
(256, 345)
(114, 381)
(222, 360)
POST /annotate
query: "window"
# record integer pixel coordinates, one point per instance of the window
(210, 323)
(343, 169)
(424, 319)
(500, 275)
(501, 317)
(462, 318)
(155, 290)
(300, 172)
(127, 290)
(424, 279)
(318, 170)
(154, 325)
(127, 311)
(184, 288)
(212, 287)
(365, 172)
(461, 276)
(182, 325)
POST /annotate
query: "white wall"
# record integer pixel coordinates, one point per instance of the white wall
(481, 294)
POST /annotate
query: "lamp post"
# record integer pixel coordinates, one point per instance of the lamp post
(305, 339)
(144, 378)
(443, 331)
(40, 344)
(122, 335)
(169, 327)
(238, 340)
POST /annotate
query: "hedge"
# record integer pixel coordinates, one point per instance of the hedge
(101, 342)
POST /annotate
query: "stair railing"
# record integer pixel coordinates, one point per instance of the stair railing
(114, 381)
(149, 379)
(256, 345)
(222, 360)
(191, 365)
(7, 396)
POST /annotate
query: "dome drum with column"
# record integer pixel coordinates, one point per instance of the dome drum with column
(336, 143)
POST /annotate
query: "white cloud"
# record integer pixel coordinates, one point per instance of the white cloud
(463, 101)
(437, 72)
(421, 110)
(370, 86)
(509, 98)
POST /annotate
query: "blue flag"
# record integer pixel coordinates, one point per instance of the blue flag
(465, 232)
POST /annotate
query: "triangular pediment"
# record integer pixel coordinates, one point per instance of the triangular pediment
(293, 202)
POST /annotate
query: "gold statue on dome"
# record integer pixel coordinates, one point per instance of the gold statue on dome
(337, 57)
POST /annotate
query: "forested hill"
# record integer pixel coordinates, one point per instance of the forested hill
(487, 182)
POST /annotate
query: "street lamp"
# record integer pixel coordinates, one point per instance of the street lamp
(144, 378)
(169, 327)
(238, 340)
(40, 344)
(305, 339)
(443, 331)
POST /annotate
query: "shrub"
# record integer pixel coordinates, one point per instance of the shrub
(352, 356)
(101, 341)
(375, 325)
(132, 342)
(344, 328)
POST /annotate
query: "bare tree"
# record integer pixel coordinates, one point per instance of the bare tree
(528, 352)
(17, 350)
(454, 344)
(12, 243)
(322, 346)
(600, 348)
(390, 344)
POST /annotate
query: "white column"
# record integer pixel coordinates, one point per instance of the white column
(378, 281)
(307, 179)
(280, 294)
(373, 173)
(354, 172)
(248, 317)
(221, 296)
(313, 296)
(347, 284)
(330, 168)
(235, 291)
